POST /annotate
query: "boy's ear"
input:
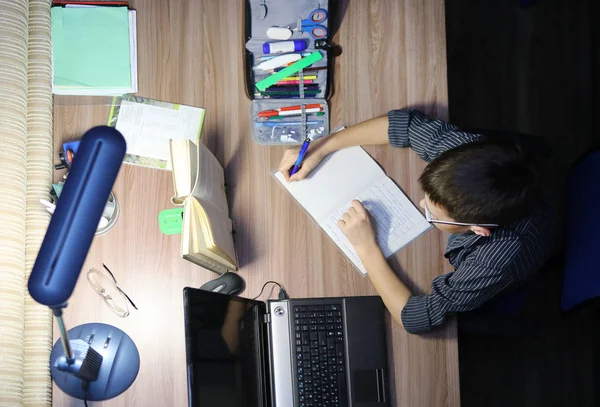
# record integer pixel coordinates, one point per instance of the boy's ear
(481, 231)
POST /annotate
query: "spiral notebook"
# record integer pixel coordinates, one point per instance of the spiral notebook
(352, 174)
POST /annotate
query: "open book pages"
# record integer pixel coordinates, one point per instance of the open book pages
(198, 181)
(194, 246)
(352, 174)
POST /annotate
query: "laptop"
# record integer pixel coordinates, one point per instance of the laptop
(317, 352)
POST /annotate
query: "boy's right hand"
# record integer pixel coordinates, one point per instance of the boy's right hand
(313, 157)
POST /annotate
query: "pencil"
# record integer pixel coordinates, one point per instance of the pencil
(293, 87)
(306, 82)
(319, 68)
(297, 78)
(279, 93)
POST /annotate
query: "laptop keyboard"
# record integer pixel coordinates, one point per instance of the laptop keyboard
(319, 356)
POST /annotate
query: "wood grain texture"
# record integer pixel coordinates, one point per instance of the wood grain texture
(191, 52)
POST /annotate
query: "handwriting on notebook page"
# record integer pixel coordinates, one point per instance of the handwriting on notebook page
(396, 219)
(334, 232)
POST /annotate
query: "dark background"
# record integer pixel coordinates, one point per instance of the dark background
(533, 69)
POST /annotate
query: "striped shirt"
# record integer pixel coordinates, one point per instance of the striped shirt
(483, 266)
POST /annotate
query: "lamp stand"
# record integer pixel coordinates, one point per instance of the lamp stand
(120, 361)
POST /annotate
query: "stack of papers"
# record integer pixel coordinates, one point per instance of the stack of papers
(148, 125)
(94, 51)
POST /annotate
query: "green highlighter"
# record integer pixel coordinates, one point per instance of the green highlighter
(170, 221)
(289, 71)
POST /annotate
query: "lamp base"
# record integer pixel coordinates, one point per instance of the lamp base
(119, 368)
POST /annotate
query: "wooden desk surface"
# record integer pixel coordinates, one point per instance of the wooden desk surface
(394, 55)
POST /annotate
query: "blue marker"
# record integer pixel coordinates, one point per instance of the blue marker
(301, 155)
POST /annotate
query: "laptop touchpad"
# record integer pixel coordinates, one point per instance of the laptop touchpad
(367, 386)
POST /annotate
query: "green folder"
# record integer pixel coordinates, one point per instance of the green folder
(90, 47)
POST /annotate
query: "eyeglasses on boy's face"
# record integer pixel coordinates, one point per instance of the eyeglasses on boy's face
(431, 219)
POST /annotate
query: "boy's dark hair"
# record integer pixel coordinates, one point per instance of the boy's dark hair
(484, 182)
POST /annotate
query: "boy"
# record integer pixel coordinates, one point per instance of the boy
(485, 193)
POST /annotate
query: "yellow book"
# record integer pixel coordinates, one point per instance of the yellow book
(199, 183)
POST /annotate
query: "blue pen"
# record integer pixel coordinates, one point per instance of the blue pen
(301, 155)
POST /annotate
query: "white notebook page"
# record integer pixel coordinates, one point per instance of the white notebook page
(352, 174)
(397, 220)
(339, 178)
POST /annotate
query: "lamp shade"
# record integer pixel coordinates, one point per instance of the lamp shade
(78, 211)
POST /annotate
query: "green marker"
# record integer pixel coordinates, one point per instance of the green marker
(289, 70)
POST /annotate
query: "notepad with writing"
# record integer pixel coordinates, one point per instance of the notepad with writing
(352, 174)
(199, 184)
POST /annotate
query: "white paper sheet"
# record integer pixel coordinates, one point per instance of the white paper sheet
(147, 129)
(339, 178)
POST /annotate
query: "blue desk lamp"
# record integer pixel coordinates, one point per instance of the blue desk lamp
(92, 361)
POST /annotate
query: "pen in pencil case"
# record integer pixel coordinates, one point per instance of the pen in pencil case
(295, 82)
(297, 78)
(278, 62)
(319, 68)
(294, 114)
(275, 112)
(292, 87)
(267, 57)
(311, 92)
(288, 124)
(286, 96)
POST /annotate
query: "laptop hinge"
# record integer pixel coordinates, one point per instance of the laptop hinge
(267, 318)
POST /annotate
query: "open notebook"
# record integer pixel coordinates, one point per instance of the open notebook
(352, 174)
(199, 184)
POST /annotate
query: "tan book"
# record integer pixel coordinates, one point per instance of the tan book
(199, 183)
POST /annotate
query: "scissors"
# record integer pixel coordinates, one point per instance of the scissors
(312, 24)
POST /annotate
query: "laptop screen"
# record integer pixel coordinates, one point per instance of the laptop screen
(222, 346)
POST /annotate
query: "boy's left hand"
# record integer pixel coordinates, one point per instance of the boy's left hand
(358, 228)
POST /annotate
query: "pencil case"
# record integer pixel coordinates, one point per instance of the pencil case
(288, 69)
